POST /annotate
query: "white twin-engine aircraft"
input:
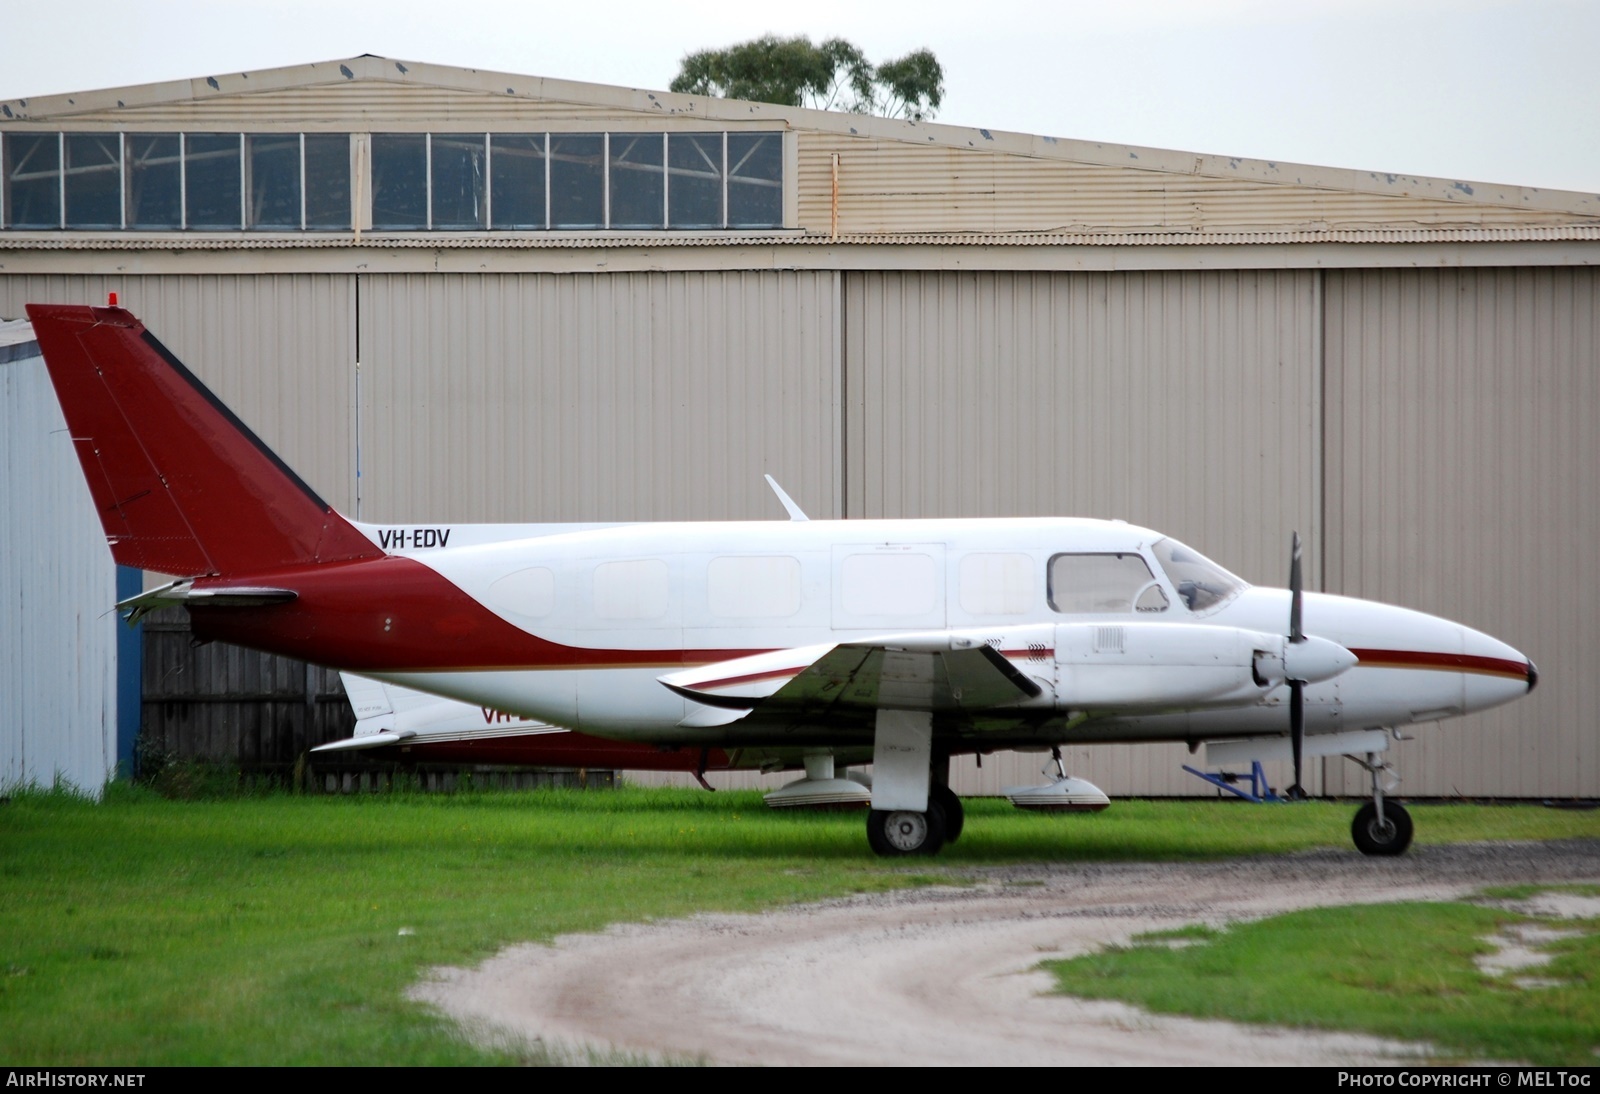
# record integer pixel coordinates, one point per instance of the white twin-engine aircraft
(905, 641)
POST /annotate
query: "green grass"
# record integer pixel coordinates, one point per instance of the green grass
(269, 929)
(1402, 971)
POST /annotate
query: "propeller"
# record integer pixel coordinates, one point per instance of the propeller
(1297, 707)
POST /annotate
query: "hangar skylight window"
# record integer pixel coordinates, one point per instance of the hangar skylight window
(576, 181)
(175, 181)
(390, 182)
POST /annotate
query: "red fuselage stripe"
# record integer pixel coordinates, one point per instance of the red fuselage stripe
(1442, 662)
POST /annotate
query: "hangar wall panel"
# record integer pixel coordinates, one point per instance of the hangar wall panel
(280, 349)
(897, 186)
(649, 396)
(58, 639)
(1186, 402)
(1464, 480)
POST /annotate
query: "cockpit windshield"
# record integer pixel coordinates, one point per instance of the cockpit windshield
(1200, 582)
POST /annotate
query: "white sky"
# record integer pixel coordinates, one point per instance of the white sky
(1482, 90)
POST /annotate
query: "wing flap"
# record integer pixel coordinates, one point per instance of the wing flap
(928, 672)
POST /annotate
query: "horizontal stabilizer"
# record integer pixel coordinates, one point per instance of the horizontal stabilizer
(178, 593)
(369, 740)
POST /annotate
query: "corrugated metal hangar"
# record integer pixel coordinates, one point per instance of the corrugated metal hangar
(458, 295)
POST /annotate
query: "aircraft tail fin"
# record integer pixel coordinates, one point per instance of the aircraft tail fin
(182, 486)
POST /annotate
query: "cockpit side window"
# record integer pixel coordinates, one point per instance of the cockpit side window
(1200, 582)
(1103, 583)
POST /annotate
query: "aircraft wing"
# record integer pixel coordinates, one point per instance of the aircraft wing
(935, 673)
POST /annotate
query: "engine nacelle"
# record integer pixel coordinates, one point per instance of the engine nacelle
(1159, 666)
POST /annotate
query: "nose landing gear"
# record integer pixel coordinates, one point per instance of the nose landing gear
(1381, 833)
(1381, 827)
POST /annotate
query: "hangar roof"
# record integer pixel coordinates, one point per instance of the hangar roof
(848, 179)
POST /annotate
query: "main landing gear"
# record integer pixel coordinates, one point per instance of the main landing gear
(1382, 826)
(914, 811)
(892, 832)
(902, 832)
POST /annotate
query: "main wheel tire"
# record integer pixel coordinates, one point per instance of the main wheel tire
(897, 832)
(1391, 837)
(955, 817)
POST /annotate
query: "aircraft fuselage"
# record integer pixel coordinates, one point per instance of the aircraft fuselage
(576, 626)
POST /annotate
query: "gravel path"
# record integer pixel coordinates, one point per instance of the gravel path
(946, 975)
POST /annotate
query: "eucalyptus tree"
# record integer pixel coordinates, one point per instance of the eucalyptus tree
(832, 75)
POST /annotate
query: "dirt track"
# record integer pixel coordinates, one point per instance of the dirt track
(947, 976)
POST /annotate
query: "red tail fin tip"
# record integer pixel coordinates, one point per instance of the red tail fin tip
(183, 487)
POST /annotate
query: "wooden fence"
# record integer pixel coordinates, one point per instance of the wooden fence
(226, 707)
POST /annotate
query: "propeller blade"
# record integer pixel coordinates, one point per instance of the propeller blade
(1297, 735)
(1295, 633)
(1297, 698)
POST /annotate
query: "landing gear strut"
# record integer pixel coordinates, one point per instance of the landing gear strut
(955, 818)
(1381, 827)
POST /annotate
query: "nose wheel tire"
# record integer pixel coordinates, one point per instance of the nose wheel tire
(898, 832)
(1391, 836)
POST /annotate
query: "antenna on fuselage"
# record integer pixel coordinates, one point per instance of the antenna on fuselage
(795, 512)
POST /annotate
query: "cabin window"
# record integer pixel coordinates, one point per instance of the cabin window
(760, 587)
(889, 584)
(530, 592)
(1103, 583)
(636, 589)
(997, 584)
